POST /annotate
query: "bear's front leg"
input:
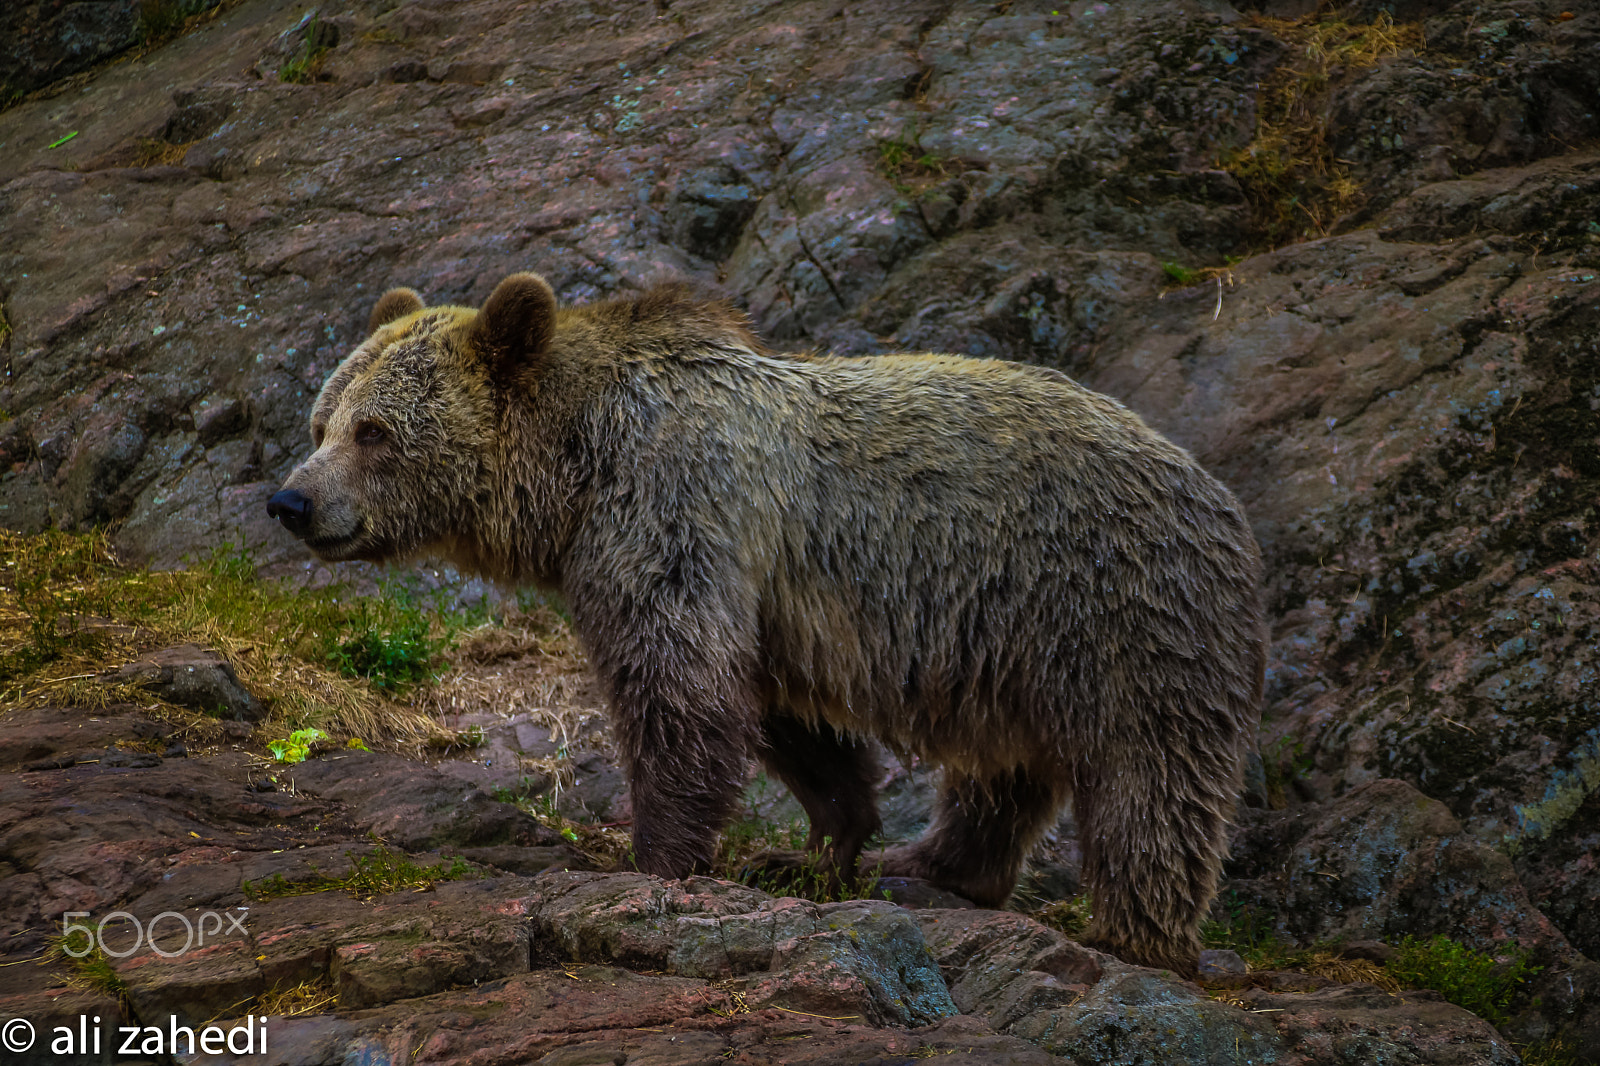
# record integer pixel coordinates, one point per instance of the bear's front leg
(683, 711)
(686, 768)
(659, 584)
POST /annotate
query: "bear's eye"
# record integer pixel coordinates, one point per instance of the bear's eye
(370, 433)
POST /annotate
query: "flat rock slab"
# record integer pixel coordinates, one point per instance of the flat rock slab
(34, 734)
(371, 952)
(860, 958)
(588, 1014)
(415, 806)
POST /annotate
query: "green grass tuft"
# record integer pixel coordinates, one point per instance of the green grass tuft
(91, 970)
(392, 647)
(1248, 930)
(743, 841)
(907, 167)
(301, 68)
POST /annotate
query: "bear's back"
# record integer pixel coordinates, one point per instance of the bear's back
(932, 541)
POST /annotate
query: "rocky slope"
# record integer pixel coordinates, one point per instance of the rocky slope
(525, 959)
(1404, 397)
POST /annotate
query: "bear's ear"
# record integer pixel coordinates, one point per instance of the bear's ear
(517, 322)
(395, 304)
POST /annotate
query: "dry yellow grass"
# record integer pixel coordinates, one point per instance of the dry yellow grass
(1348, 971)
(307, 997)
(529, 665)
(69, 613)
(1289, 171)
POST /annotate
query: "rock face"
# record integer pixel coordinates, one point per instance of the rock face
(46, 41)
(1406, 400)
(1032, 982)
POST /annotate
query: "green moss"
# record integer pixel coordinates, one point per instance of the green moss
(1472, 980)
(1564, 794)
(376, 873)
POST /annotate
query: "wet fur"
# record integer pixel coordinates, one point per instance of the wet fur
(977, 562)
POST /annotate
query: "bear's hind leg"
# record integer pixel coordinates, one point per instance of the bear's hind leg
(834, 777)
(1153, 838)
(982, 832)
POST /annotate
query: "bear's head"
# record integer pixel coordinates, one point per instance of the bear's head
(405, 428)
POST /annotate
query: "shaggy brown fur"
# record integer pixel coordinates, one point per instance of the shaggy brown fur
(978, 562)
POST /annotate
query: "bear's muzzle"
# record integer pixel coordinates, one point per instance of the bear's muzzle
(292, 509)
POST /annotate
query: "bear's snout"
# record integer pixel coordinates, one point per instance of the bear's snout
(293, 510)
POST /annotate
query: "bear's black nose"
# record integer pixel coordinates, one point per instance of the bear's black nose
(292, 509)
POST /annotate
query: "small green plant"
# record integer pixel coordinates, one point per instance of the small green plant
(301, 67)
(1181, 274)
(376, 873)
(907, 167)
(392, 648)
(1248, 930)
(1472, 980)
(608, 846)
(297, 746)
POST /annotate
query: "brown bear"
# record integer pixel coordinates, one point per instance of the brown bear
(978, 562)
